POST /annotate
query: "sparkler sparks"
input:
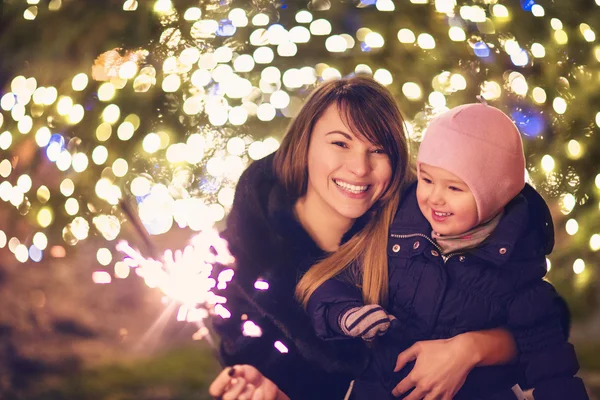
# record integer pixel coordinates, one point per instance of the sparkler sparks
(186, 276)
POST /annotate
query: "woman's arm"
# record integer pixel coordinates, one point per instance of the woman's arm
(441, 366)
(491, 347)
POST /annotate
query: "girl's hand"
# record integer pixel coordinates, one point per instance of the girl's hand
(244, 382)
(440, 370)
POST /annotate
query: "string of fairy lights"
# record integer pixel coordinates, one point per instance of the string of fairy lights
(221, 71)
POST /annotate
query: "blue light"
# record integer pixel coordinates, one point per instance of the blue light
(481, 50)
(55, 146)
(364, 47)
(530, 121)
(226, 28)
(366, 3)
(35, 254)
(527, 4)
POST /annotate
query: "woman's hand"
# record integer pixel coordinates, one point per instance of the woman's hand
(442, 366)
(244, 382)
(440, 370)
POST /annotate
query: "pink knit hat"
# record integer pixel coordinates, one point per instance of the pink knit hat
(482, 146)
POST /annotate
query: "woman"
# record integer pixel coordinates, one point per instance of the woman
(326, 197)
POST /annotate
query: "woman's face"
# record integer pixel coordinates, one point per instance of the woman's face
(346, 173)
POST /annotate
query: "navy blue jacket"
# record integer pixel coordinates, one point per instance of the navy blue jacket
(269, 243)
(497, 284)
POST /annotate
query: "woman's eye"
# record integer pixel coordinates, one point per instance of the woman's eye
(379, 151)
(340, 144)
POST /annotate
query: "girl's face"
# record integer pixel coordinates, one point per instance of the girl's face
(346, 173)
(446, 201)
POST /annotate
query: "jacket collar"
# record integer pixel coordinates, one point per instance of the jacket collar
(526, 226)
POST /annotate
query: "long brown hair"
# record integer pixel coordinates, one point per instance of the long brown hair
(368, 109)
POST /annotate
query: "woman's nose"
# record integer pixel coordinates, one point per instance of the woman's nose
(359, 164)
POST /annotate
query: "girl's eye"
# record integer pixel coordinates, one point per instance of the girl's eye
(455, 189)
(426, 180)
(340, 144)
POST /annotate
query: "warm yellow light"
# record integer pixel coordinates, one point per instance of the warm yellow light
(44, 217)
(67, 187)
(111, 113)
(491, 90)
(104, 256)
(560, 105)
(128, 70)
(426, 41)
(539, 95)
(263, 55)
(5, 140)
(304, 17)
(444, 6)
(578, 266)
(80, 82)
(80, 162)
(588, 34)
(106, 91)
(500, 11)
(260, 19)
(171, 83)
(412, 91)
(574, 149)
(76, 114)
(5, 168)
(140, 186)
(567, 203)
(548, 163)
(335, 44)
(437, 99)
(374, 40)
(458, 82)
(163, 6)
(385, 5)
(457, 34)
(120, 167)
(572, 227)
(43, 194)
(383, 76)
(538, 11)
(71, 206)
(176, 153)
(40, 240)
(406, 36)
(24, 183)
(125, 131)
(100, 155)
(561, 37)
(64, 105)
(556, 24)
(320, 27)
(595, 242)
(121, 270)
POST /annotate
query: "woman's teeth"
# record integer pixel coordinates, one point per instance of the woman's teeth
(440, 214)
(351, 188)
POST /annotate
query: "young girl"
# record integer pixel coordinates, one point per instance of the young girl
(466, 252)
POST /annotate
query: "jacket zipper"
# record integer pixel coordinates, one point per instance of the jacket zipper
(445, 257)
